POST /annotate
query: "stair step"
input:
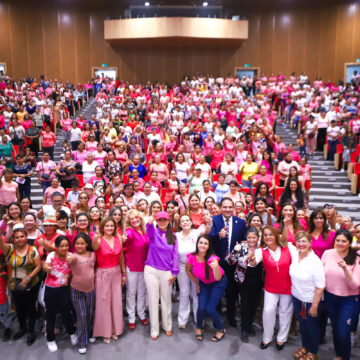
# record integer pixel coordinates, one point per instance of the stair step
(339, 206)
(350, 200)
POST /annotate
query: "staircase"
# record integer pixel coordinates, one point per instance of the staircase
(329, 185)
(36, 189)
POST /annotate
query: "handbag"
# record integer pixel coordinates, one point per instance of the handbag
(44, 177)
(14, 283)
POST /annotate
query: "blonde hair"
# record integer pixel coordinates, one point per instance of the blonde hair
(137, 213)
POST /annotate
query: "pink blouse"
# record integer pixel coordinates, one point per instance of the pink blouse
(106, 256)
(198, 269)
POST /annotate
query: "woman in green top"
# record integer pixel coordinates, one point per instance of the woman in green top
(6, 151)
(23, 266)
(33, 134)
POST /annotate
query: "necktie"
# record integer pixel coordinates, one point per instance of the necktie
(227, 225)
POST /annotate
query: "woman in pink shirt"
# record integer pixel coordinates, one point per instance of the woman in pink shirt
(54, 187)
(121, 154)
(136, 245)
(91, 144)
(79, 155)
(65, 123)
(110, 277)
(161, 169)
(100, 156)
(9, 191)
(217, 155)
(342, 274)
(209, 144)
(48, 141)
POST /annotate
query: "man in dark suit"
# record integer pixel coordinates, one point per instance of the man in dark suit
(226, 231)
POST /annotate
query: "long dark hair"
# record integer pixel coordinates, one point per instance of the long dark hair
(325, 229)
(286, 195)
(350, 258)
(86, 238)
(269, 160)
(296, 223)
(209, 252)
(257, 192)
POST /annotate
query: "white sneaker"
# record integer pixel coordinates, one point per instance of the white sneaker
(52, 346)
(92, 340)
(342, 170)
(82, 351)
(73, 339)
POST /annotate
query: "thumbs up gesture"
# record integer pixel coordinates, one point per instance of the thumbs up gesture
(222, 233)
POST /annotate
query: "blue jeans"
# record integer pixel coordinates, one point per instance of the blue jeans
(309, 326)
(342, 312)
(209, 297)
(247, 184)
(332, 149)
(45, 185)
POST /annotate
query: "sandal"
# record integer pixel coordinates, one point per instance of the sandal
(145, 322)
(299, 353)
(216, 338)
(200, 336)
(106, 340)
(309, 356)
(168, 333)
(154, 337)
(132, 326)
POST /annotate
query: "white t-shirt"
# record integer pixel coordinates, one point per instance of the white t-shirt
(205, 168)
(88, 170)
(181, 170)
(306, 276)
(186, 245)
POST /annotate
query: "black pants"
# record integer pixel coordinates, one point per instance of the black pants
(323, 319)
(58, 300)
(250, 296)
(74, 145)
(34, 147)
(25, 303)
(66, 184)
(231, 293)
(25, 189)
(49, 150)
(321, 139)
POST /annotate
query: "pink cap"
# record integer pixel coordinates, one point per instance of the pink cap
(162, 215)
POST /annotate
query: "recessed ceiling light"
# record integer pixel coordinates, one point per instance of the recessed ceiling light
(205, 3)
(147, 4)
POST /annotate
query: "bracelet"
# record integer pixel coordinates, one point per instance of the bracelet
(27, 278)
(123, 275)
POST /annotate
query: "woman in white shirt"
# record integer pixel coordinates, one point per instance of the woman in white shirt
(229, 168)
(187, 239)
(310, 135)
(182, 168)
(333, 132)
(308, 283)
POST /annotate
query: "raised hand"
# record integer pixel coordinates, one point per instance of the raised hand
(222, 233)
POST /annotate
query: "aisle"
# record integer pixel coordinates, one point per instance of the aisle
(329, 185)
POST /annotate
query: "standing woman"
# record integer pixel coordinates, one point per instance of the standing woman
(195, 211)
(48, 141)
(23, 267)
(82, 264)
(311, 129)
(110, 277)
(210, 281)
(161, 269)
(66, 170)
(182, 198)
(57, 292)
(307, 287)
(293, 194)
(342, 273)
(9, 191)
(276, 260)
(250, 280)
(187, 239)
(136, 242)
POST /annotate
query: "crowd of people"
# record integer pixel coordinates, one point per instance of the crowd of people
(175, 191)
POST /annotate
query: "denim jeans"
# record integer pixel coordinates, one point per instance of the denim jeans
(342, 312)
(309, 326)
(247, 184)
(209, 297)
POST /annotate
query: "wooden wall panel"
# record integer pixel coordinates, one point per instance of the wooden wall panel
(82, 45)
(19, 41)
(296, 56)
(6, 40)
(35, 42)
(51, 43)
(265, 43)
(66, 42)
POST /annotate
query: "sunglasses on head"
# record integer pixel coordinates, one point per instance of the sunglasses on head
(329, 206)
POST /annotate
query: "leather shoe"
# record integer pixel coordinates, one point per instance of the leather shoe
(19, 334)
(252, 332)
(264, 346)
(30, 339)
(6, 334)
(244, 337)
(232, 322)
(280, 347)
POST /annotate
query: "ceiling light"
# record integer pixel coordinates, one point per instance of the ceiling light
(147, 4)
(205, 3)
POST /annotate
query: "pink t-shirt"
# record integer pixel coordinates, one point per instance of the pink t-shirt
(49, 139)
(285, 167)
(50, 190)
(291, 236)
(136, 250)
(198, 269)
(44, 167)
(320, 245)
(305, 171)
(336, 283)
(100, 157)
(107, 257)
(79, 157)
(8, 192)
(60, 271)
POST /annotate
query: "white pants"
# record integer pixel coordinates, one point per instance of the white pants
(157, 285)
(135, 294)
(271, 302)
(187, 289)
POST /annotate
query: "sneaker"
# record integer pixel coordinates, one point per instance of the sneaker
(73, 339)
(6, 335)
(244, 337)
(92, 340)
(342, 170)
(82, 351)
(52, 346)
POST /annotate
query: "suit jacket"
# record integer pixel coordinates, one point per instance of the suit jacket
(221, 245)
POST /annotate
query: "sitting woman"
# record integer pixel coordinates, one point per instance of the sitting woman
(294, 174)
(210, 281)
(263, 191)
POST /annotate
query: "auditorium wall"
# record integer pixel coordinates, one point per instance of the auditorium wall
(66, 42)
